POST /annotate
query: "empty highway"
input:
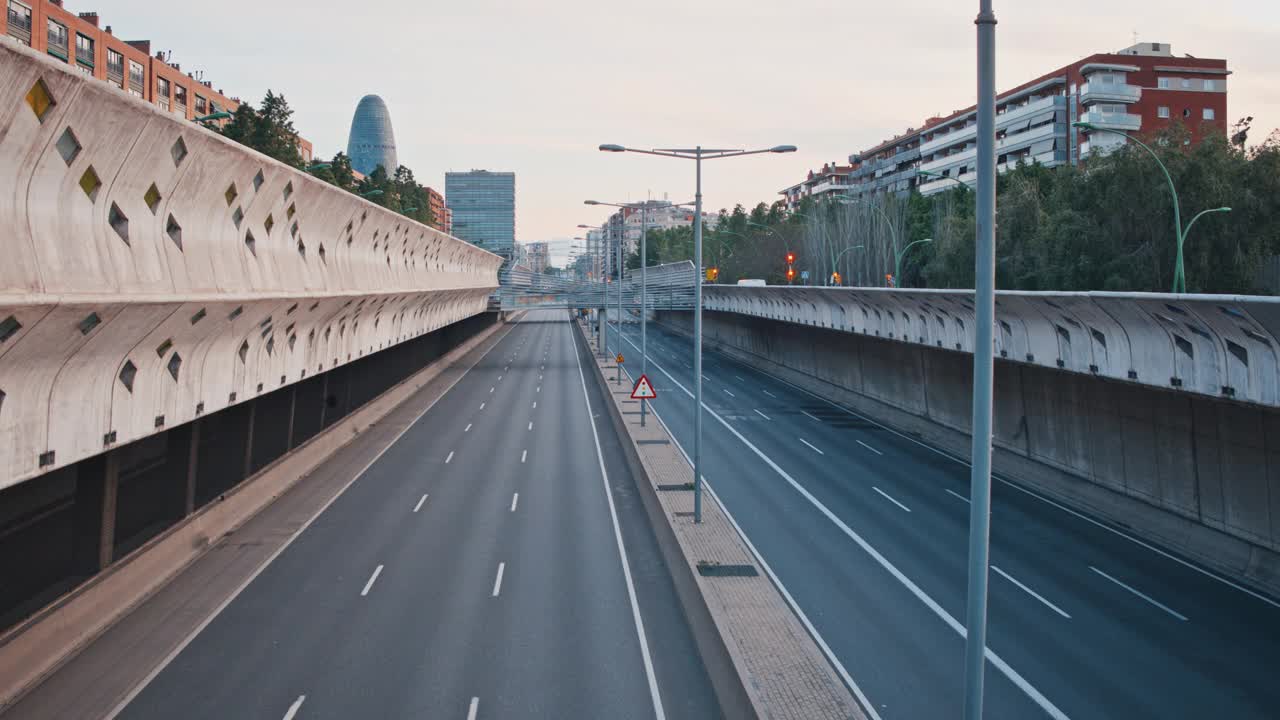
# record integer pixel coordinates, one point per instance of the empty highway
(866, 529)
(483, 567)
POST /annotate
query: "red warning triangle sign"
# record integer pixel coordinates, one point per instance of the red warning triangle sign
(643, 389)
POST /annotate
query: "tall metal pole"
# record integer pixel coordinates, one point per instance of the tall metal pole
(983, 367)
(697, 341)
(644, 294)
(622, 234)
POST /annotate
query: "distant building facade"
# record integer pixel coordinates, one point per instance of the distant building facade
(372, 142)
(1141, 89)
(534, 255)
(483, 204)
(441, 218)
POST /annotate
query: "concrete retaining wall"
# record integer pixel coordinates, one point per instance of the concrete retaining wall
(154, 272)
(1199, 474)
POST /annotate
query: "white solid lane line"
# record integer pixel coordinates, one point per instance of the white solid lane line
(1030, 592)
(811, 447)
(449, 459)
(515, 498)
(471, 711)
(956, 494)
(497, 582)
(293, 709)
(766, 417)
(726, 392)
(418, 507)
(1148, 598)
(377, 571)
(766, 392)
(654, 694)
(467, 428)
(869, 447)
(811, 416)
(1026, 687)
(886, 496)
(523, 454)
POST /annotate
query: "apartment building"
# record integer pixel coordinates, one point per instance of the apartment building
(79, 41)
(1141, 90)
(442, 217)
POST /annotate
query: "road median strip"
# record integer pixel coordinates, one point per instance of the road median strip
(761, 660)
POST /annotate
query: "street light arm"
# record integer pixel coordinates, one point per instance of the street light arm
(1199, 215)
(908, 247)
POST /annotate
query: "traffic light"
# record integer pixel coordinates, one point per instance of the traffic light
(713, 273)
(888, 280)
(791, 258)
(791, 274)
(835, 278)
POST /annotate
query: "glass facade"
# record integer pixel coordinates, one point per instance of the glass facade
(483, 204)
(372, 142)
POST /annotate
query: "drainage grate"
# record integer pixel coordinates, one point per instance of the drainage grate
(715, 569)
(675, 487)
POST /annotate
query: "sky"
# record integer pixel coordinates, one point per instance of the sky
(535, 86)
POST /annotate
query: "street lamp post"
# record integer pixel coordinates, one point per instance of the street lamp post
(984, 309)
(939, 176)
(897, 260)
(697, 154)
(644, 285)
(836, 259)
(1180, 233)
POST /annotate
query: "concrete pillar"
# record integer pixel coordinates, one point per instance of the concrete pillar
(193, 464)
(324, 398)
(293, 406)
(248, 443)
(110, 492)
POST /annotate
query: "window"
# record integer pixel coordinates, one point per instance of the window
(1210, 85)
(1208, 114)
(180, 99)
(202, 105)
(162, 93)
(1186, 112)
(57, 39)
(137, 78)
(84, 50)
(20, 21)
(1163, 83)
(115, 68)
(1162, 111)
(1186, 84)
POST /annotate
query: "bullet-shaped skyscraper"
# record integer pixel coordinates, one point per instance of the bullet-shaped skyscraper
(372, 142)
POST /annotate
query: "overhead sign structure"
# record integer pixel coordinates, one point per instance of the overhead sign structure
(643, 390)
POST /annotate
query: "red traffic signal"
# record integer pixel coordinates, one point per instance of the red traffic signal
(791, 258)
(791, 274)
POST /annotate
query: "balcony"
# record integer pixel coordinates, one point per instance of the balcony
(1096, 92)
(1003, 121)
(1112, 121)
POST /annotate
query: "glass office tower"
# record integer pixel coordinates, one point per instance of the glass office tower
(371, 142)
(484, 208)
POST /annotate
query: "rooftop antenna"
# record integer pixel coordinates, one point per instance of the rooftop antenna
(1135, 37)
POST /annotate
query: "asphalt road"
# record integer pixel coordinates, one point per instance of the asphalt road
(474, 571)
(867, 531)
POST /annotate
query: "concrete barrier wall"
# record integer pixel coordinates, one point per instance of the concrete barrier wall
(153, 271)
(1221, 346)
(1198, 473)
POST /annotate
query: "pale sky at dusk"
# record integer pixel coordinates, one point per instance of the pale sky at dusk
(534, 87)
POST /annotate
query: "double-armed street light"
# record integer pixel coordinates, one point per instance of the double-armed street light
(1180, 232)
(697, 154)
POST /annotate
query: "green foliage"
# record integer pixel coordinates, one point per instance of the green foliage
(1105, 225)
(270, 131)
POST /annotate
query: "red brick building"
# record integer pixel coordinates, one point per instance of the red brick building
(1140, 90)
(442, 216)
(80, 41)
